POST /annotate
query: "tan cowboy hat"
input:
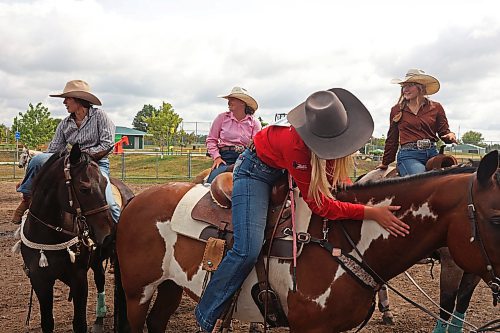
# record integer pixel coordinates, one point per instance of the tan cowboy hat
(79, 89)
(333, 123)
(418, 76)
(242, 95)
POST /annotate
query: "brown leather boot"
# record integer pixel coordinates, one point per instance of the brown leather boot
(18, 214)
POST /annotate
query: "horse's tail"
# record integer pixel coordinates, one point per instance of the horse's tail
(120, 304)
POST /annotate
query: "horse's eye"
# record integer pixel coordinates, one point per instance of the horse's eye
(85, 190)
(495, 220)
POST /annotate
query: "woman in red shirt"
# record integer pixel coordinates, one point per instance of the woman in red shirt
(329, 125)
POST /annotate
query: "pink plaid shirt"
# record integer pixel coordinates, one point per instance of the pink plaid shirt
(226, 130)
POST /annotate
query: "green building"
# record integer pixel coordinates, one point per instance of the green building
(135, 137)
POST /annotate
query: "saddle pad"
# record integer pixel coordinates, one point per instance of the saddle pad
(182, 222)
(117, 195)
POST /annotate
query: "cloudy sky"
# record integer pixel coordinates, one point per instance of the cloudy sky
(186, 52)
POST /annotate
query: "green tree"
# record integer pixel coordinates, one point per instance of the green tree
(4, 134)
(472, 137)
(162, 125)
(36, 126)
(138, 122)
(262, 122)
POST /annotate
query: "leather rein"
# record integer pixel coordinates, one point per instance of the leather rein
(79, 219)
(494, 284)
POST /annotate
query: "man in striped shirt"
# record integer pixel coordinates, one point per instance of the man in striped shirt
(86, 125)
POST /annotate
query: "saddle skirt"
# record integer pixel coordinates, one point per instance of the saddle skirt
(197, 216)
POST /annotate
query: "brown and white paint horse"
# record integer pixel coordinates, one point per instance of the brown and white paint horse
(154, 258)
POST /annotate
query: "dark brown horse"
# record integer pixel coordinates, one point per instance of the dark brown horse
(155, 258)
(68, 216)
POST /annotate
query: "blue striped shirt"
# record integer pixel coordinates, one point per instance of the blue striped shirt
(95, 134)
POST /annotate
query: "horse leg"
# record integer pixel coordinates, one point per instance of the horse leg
(449, 282)
(100, 280)
(465, 291)
(384, 306)
(44, 292)
(136, 311)
(79, 290)
(168, 298)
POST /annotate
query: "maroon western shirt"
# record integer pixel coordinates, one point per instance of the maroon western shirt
(429, 123)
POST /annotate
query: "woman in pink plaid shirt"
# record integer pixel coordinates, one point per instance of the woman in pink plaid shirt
(232, 131)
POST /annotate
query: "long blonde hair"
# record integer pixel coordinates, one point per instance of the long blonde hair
(324, 179)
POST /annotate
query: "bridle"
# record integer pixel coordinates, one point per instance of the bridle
(79, 216)
(494, 284)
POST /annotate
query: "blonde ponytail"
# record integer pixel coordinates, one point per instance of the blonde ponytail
(323, 180)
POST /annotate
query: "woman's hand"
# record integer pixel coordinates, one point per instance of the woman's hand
(382, 167)
(383, 215)
(218, 161)
(450, 137)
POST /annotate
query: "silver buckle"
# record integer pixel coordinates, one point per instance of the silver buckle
(239, 149)
(423, 144)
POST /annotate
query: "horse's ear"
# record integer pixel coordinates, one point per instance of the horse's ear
(441, 149)
(487, 167)
(75, 154)
(97, 156)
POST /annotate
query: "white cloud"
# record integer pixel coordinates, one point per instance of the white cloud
(188, 52)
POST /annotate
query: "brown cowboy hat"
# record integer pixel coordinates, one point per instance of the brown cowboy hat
(243, 95)
(333, 123)
(78, 89)
(430, 83)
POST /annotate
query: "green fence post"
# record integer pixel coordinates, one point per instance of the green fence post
(123, 166)
(189, 165)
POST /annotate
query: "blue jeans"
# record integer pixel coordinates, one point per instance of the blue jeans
(39, 160)
(229, 157)
(253, 181)
(412, 161)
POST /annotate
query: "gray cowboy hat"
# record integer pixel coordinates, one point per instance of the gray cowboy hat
(333, 123)
(78, 89)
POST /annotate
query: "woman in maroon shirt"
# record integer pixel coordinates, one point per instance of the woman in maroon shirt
(416, 124)
(329, 125)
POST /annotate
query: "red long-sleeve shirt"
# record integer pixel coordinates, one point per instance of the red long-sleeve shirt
(281, 147)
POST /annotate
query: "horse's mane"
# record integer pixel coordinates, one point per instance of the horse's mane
(396, 180)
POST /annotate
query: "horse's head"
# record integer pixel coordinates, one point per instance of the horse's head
(483, 204)
(69, 196)
(24, 158)
(85, 194)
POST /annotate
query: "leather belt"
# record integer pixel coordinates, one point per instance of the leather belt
(237, 148)
(419, 144)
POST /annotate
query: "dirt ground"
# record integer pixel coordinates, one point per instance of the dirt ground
(15, 293)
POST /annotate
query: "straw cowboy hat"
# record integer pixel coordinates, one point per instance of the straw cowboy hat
(418, 76)
(242, 95)
(79, 89)
(332, 123)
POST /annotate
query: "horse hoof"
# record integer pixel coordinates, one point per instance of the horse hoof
(388, 318)
(256, 328)
(97, 328)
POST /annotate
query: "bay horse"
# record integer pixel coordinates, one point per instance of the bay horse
(68, 216)
(456, 287)
(328, 297)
